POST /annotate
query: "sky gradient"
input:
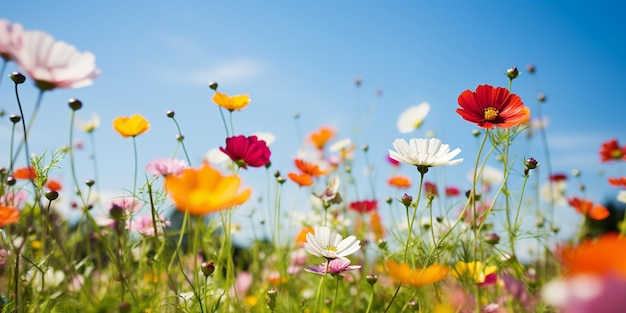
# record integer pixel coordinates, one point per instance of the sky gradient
(304, 58)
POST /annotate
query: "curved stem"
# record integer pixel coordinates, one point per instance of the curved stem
(181, 140)
(30, 123)
(224, 121)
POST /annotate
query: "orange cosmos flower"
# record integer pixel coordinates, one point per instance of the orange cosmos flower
(589, 209)
(25, 173)
(205, 190)
(399, 181)
(233, 103)
(619, 182)
(320, 137)
(605, 255)
(416, 277)
(489, 106)
(8, 215)
(301, 237)
(309, 168)
(131, 126)
(611, 151)
(303, 180)
(53, 185)
(376, 225)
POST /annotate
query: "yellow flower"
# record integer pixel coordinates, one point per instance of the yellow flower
(416, 277)
(205, 190)
(131, 126)
(233, 103)
(475, 270)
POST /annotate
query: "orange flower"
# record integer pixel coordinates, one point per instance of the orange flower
(25, 173)
(8, 215)
(377, 226)
(309, 168)
(301, 237)
(416, 277)
(589, 209)
(489, 106)
(619, 182)
(611, 151)
(320, 137)
(233, 103)
(303, 180)
(205, 190)
(399, 181)
(131, 126)
(53, 185)
(605, 255)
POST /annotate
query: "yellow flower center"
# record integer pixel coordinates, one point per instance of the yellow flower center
(331, 248)
(616, 154)
(491, 113)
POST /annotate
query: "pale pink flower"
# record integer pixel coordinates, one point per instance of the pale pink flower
(243, 281)
(55, 64)
(129, 204)
(14, 199)
(586, 293)
(10, 39)
(166, 166)
(143, 225)
(334, 267)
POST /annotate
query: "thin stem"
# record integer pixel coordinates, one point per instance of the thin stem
(4, 66)
(19, 104)
(336, 293)
(135, 175)
(181, 139)
(371, 301)
(30, 123)
(417, 201)
(224, 121)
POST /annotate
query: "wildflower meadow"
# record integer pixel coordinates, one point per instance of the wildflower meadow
(332, 241)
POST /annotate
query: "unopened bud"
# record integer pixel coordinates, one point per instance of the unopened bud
(124, 307)
(492, 238)
(530, 68)
(213, 85)
(541, 97)
(116, 212)
(90, 182)
(10, 180)
(52, 195)
(207, 268)
(406, 200)
(170, 113)
(15, 118)
(75, 104)
(512, 73)
(531, 163)
(17, 78)
(371, 279)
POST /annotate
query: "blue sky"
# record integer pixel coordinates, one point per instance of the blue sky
(304, 57)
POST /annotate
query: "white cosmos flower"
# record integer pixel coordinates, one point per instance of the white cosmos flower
(269, 138)
(621, 196)
(424, 152)
(412, 118)
(330, 245)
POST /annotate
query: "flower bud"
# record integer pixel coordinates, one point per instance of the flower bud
(512, 73)
(358, 81)
(170, 113)
(213, 85)
(371, 279)
(10, 180)
(15, 118)
(75, 104)
(531, 163)
(541, 97)
(180, 137)
(475, 132)
(406, 200)
(52, 195)
(17, 78)
(492, 238)
(117, 212)
(124, 307)
(365, 148)
(207, 268)
(90, 182)
(389, 200)
(576, 172)
(271, 298)
(530, 68)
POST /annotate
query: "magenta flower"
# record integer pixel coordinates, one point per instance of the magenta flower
(247, 151)
(334, 267)
(166, 166)
(10, 39)
(54, 64)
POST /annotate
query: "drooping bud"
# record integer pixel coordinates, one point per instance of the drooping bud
(17, 78)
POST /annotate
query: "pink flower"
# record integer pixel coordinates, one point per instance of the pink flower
(247, 151)
(334, 267)
(166, 167)
(143, 225)
(10, 39)
(14, 199)
(587, 293)
(128, 204)
(55, 64)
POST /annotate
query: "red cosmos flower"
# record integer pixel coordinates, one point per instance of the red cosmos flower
(589, 209)
(452, 191)
(430, 189)
(618, 182)
(25, 173)
(247, 151)
(364, 206)
(611, 151)
(558, 177)
(53, 185)
(489, 106)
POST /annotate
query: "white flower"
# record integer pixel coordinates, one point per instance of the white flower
(424, 152)
(330, 245)
(621, 196)
(490, 176)
(90, 125)
(412, 118)
(216, 157)
(269, 138)
(554, 192)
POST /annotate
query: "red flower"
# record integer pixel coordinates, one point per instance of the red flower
(53, 185)
(558, 177)
(611, 151)
(618, 182)
(25, 173)
(452, 191)
(247, 151)
(489, 107)
(393, 162)
(430, 189)
(589, 209)
(364, 206)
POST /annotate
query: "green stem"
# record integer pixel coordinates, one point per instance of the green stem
(135, 174)
(30, 124)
